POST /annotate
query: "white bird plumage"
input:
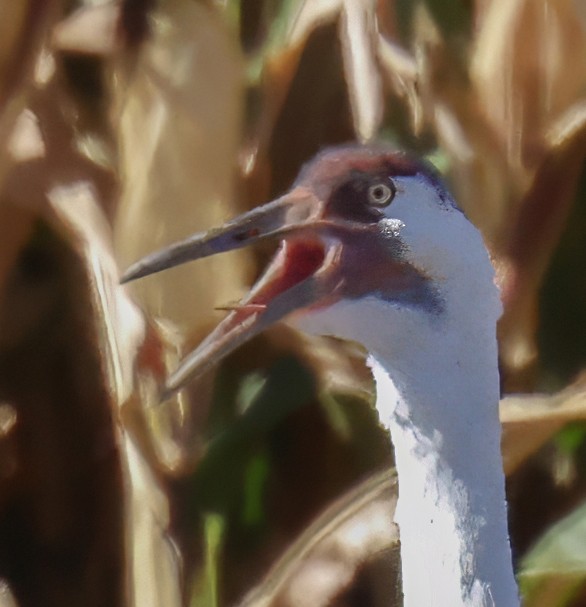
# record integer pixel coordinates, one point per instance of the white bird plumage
(437, 392)
(412, 281)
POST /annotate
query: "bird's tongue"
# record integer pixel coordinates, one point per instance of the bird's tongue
(298, 276)
(295, 261)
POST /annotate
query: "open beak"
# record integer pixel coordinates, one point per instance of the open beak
(303, 272)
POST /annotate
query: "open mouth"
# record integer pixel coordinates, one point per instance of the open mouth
(322, 257)
(295, 261)
(331, 248)
(300, 275)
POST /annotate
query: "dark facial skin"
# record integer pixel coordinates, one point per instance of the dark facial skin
(368, 262)
(343, 176)
(350, 199)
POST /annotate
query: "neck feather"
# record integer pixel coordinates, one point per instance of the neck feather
(437, 393)
(440, 403)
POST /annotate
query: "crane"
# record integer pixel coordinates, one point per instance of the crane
(374, 249)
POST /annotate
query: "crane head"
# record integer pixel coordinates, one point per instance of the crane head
(360, 223)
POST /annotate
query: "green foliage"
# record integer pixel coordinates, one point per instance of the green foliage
(556, 566)
(222, 477)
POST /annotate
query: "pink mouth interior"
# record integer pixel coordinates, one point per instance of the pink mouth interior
(302, 259)
(295, 261)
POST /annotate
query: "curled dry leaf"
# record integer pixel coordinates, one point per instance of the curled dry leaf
(521, 266)
(529, 66)
(478, 173)
(530, 420)
(6, 597)
(41, 153)
(528, 71)
(325, 558)
(90, 30)
(400, 68)
(22, 31)
(179, 107)
(279, 68)
(122, 328)
(311, 14)
(153, 563)
(358, 34)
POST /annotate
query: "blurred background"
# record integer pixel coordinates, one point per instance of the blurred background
(126, 125)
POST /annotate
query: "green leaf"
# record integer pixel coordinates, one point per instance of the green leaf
(556, 566)
(571, 438)
(266, 401)
(206, 594)
(255, 482)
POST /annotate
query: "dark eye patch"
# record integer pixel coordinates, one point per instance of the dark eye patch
(350, 199)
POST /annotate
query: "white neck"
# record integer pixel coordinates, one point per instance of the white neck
(451, 510)
(437, 393)
(434, 356)
(440, 403)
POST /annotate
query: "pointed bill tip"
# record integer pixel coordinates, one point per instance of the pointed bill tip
(270, 221)
(166, 393)
(172, 256)
(299, 275)
(132, 273)
(285, 286)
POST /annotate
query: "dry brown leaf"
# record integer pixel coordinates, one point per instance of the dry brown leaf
(358, 34)
(310, 15)
(432, 82)
(153, 562)
(530, 420)
(91, 30)
(178, 118)
(7, 599)
(279, 70)
(22, 31)
(567, 127)
(400, 68)
(324, 559)
(521, 265)
(529, 66)
(50, 178)
(121, 326)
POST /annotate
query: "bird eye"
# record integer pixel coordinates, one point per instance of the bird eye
(381, 194)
